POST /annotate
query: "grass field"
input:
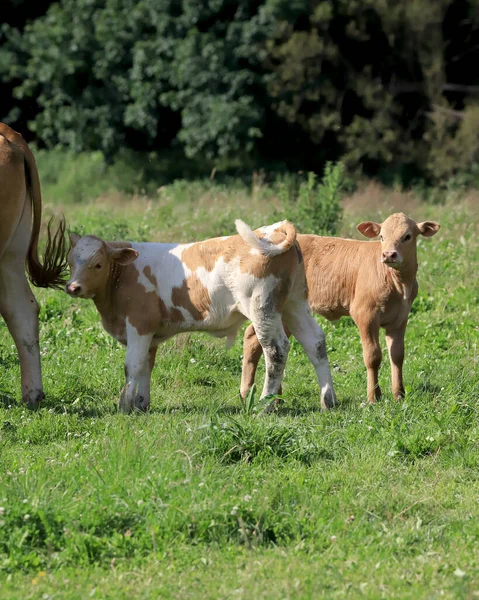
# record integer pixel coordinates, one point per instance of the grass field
(200, 499)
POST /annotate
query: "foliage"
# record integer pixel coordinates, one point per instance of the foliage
(454, 143)
(313, 206)
(297, 82)
(69, 176)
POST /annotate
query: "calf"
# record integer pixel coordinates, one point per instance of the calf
(148, 292)
(373, 282)
(20, 217)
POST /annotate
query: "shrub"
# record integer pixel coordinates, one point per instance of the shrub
(314, 207)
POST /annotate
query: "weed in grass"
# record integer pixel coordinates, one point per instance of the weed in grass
(233, 441)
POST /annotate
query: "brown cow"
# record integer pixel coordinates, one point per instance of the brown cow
(148, 292)
(20, 204)
(373, 282)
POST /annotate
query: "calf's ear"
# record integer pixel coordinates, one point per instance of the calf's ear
(74, 237)
(369, 228)
(124, 256)
(428, 228)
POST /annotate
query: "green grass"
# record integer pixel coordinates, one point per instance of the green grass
(200, 498)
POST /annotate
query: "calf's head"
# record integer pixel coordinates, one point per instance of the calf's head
(91, 260)
(398, 235)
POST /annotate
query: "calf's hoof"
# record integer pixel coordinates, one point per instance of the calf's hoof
(271, 407)
(33, 399)
(328, 399)
(142, 404)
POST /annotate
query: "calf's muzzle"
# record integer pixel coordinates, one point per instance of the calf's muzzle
(73, 288)
(389, 257)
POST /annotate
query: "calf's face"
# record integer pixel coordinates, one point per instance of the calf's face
(398, 235)
(91, 260)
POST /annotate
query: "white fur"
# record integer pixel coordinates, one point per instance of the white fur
(263, 245)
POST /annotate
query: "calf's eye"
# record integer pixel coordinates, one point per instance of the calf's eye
(98, 266)
(407, 238)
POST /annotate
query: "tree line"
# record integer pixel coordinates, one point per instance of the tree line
(379, 84)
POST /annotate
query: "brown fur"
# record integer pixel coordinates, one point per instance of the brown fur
(20, 216)
(193, 296)
(348, 277)
(16, 153)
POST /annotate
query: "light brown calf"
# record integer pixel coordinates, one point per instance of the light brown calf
(20, 202)
(373, 282)
(146, 293)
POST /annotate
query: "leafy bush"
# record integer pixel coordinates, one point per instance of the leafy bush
(454, 153)
(314, 207)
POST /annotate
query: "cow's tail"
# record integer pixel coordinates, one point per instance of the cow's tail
(264, 244)
(51, 272)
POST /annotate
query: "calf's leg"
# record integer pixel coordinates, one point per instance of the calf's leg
(372, 355)
(275, 345)
(142, 400)
(136, 368)
(309, 334)
(395, 344)
(252, 352)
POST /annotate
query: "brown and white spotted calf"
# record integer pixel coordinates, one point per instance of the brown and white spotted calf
(148, 292)
(373, 282)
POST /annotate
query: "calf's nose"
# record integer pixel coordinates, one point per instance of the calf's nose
(73, 288)
(390, 256)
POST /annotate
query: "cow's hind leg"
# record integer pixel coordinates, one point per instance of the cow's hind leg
(20, 310)
(309, 334)
(252, 352)
(275, 345)
(136, 368)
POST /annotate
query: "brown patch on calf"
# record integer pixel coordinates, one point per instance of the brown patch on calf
(193, 296)
(173, 315)
(149, 275)
(206, 254)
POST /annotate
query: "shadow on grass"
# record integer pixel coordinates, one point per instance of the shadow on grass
(86, 409)
(426, 387)
(189, 409)
(6, 400)
(9, 361)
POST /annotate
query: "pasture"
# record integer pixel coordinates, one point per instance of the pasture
(201, 499)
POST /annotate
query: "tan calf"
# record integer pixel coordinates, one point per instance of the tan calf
(373, 282)
(146, 293)
(20, 215)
